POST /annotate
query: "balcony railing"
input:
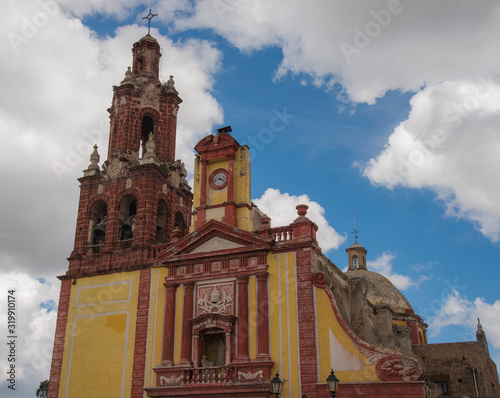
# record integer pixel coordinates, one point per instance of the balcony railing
(211, 375)
(281, 234)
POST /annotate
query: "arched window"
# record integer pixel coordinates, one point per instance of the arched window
(126, 217)
(161, 222)
(355, 262)
(97, 223)
(140, 63)
(146, 128)
(180, 223)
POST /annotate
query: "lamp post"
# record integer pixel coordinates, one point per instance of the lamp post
(276, 385)
(333, 384)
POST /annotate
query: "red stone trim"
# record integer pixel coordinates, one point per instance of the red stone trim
(104, 197)
(224, 256)
(207, 231)
(59, 339)
(306, 324)
(141, 334)
(376, 390)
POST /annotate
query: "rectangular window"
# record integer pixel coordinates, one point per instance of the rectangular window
(443, 385)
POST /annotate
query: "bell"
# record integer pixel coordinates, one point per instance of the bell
(99, 232)
(126, 228)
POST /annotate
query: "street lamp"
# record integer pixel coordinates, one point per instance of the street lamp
(276, 385)
(333, 384)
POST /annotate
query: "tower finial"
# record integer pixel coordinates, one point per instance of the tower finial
(481, 336)
(149, 17)
(355, 232)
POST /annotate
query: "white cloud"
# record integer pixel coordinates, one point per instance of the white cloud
(281, 208)
(386, 38)
(457, 310)
(449, 144)
(35, 319)
(383, 265)
(57, 86)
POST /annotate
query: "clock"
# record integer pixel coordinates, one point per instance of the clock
(218, 179)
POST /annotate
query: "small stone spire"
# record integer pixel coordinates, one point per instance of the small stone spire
(481, 336)
(94, 163)
(170, 85)
(129, 76)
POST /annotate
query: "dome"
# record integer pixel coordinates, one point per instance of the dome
(148, 37)
(381, 291)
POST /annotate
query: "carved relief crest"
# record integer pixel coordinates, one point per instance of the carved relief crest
(150, 96)
(198, 268)
(174, 179)
(215, 300)
(115, 168)
(391, 366)
(181, 270)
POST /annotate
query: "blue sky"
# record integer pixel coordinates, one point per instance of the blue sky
(388, 108)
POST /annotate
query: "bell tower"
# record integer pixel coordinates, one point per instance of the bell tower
(143, 105)
(140, 196)
(222, 182)
(357, 256)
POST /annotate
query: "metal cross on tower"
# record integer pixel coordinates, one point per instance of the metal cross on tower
(149, 17)
(355, 232)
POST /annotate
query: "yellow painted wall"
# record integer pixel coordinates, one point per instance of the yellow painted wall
(156, 318)
(244, 219)
(283, 321)
(102, 316)
(242, 177)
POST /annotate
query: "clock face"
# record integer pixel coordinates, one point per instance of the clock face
(219, 179)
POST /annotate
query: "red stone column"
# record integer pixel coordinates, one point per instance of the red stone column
(230, 181)
(243, 319)
(262, 317)
(307, 324)
(59, 340)
(203, 182)
(141, 334)
(228, 348)
(186, 325)
(197, 350)
(169, 325)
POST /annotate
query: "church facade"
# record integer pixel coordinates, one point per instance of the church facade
(172, 292)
